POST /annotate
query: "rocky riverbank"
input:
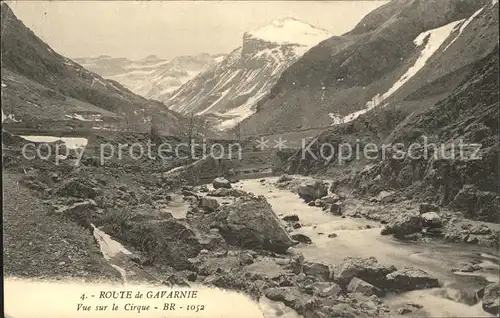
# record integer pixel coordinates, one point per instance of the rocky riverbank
(223, 235)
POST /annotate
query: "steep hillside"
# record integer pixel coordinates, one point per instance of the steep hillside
(392, 53)
(451, 149)
(43, 89)
(151, 77)
(232, 88)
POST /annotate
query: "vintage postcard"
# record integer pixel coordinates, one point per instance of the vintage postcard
(250, 159)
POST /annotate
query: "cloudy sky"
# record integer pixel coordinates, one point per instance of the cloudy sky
(135, 29)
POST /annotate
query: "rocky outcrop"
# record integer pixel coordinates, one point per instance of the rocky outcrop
(250, 222)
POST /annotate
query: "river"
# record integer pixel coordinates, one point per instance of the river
(355, 239)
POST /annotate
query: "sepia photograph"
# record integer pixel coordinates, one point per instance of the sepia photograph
(250, 159)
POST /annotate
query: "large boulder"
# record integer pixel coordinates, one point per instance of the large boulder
(404, 224)
(410, 278)
(221, 183)
(251, 223)
(312, 190)
(491, 299)
(367, 269)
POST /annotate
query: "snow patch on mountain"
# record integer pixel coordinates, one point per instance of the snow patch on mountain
(290, 31)
(434, 39)
(463, 26)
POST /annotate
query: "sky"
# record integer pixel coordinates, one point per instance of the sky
(136, 29)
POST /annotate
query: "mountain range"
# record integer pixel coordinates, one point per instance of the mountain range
(151, 77)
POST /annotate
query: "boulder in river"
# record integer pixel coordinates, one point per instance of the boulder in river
(410, 278)
(367, 269)
(336, 208)
(312, 190)
(404, 224)
(221, 183)
(291, 218)
(251, 223)
(301, 238)
(491, 298)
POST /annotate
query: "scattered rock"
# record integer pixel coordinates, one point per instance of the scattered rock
(313, 190)
(360, 286)
(189, 193)
(409, 278)
(221, 183)
(209, 204)
(223, 192)
(324, 289)
(319, 203)
(80, 212)
(367, 269)
(77, 188)
(318, 270)
(301, 238)
(330, 199)
(427, 207)
(336, 208)
(404, 311)
(246, 258)
(491, 298)
(332, 235)
(385, 197)
(284, 178)
(297, 226)
(203, 188)
(431, 219)
(291, 218)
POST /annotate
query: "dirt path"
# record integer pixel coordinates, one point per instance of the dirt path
(38, 245)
